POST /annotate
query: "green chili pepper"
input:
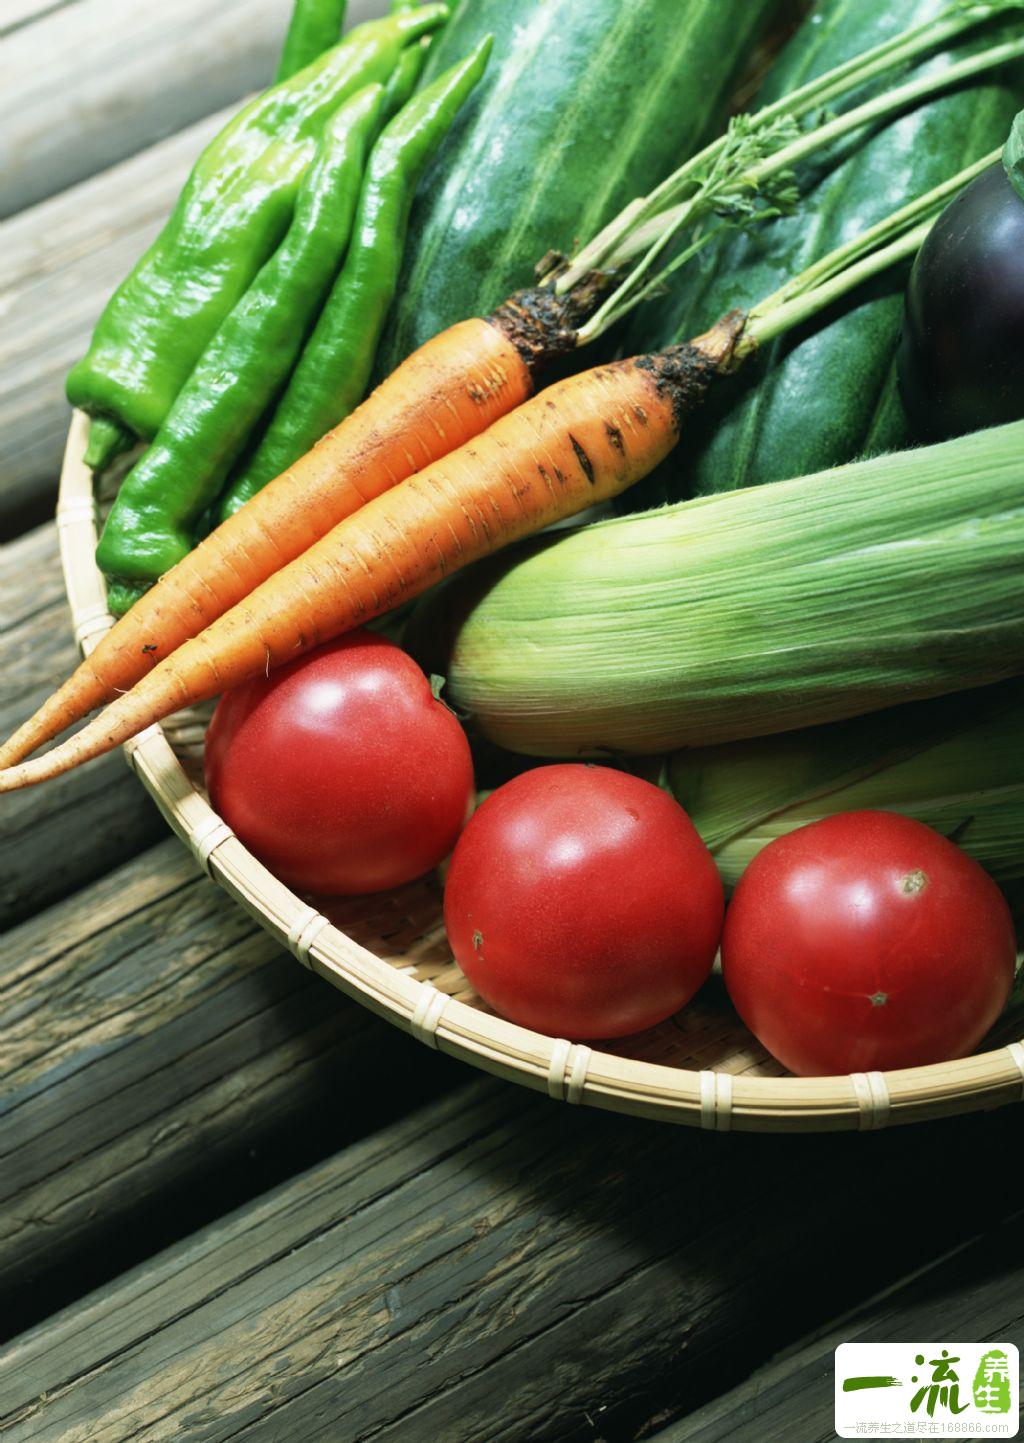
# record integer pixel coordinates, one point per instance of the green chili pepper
(404, 77)
(406, 74)
(153, 519)
(229, 218)
(314, 27)
(332, 373)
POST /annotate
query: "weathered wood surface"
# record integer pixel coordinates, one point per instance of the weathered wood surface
(91, 83)
(58, 265)
(974, 1294)
(61, 259)
(15, 13)
(497, 1267)
(163, 1058)
(58, 838)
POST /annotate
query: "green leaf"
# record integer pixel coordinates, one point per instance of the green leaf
(1013, 154)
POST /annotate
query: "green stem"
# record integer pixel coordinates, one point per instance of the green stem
(929, 34)
(892, 240)
(881, 106)
(666, 226)
(822, 90)
(891, 225)
(766, 326)
(107, 439)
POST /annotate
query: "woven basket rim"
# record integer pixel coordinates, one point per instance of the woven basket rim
(573, 1072)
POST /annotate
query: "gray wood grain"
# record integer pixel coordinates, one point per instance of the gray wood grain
(496, 1266)
(86, 85)
(58, 265)
(162, 1058)
(61, 259)
(16, 13)
(58, 838)
(974, 1294)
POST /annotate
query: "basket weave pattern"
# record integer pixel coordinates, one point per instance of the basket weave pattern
(389, 952)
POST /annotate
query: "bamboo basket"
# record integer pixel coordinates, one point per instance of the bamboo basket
(389, 952)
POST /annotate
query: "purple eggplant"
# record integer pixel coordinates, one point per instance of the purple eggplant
(961, 357)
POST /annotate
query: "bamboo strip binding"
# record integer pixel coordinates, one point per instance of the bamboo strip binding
(716, 1099)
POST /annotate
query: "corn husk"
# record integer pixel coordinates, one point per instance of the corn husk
(956, 763)
(750, 613)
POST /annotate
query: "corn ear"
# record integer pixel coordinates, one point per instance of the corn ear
(956, 763)
(750, 613)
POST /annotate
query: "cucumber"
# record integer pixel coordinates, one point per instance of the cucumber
(827, 394)
(585, 104)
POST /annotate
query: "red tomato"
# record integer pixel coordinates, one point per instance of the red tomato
(581, 902)
(340, 771)
(864, 942)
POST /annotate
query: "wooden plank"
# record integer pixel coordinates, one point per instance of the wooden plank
(496, 1266)
(86, 85)
(162, 1059)
(974, 1294)
(58, 265)
(16, 13)
(58, 838)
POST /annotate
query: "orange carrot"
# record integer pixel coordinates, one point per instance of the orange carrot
(448, 391)
(580, 442)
